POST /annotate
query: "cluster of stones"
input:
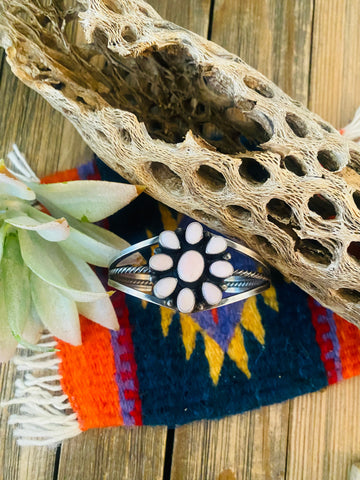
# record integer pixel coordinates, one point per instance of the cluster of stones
(189, 268)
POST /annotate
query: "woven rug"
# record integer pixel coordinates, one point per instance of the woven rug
(166, 368)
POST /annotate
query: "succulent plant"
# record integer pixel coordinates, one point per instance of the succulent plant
(45, 279)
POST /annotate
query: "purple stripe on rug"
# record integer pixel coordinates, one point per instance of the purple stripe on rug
(127, 405)
(331, 336)
(86, 170)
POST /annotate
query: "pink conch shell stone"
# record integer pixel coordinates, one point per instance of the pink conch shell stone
(191, 266)
(161, 262)
(194, 233)
(185, 301)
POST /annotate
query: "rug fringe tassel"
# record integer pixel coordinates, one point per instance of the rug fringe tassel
(45, 416)
(352, 130)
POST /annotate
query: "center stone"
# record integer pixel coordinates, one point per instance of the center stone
(191, 266)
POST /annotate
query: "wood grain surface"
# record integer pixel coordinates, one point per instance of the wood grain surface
(311, 48)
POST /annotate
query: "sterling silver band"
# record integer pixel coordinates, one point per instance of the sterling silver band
(140, 281)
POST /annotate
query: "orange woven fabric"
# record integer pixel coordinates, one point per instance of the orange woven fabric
(88, 377)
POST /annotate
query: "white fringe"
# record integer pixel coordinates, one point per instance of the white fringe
(352, 131)
(45, 416)
(19, 167)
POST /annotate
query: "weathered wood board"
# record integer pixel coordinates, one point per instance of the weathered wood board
(311, 49)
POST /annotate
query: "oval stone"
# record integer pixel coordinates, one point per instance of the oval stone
(161, 262)
(169, 239)
(191, 266)
(221, 269)
(194, 233)
(211, 293)
(185, 301)
(165, 287)
(216, 245)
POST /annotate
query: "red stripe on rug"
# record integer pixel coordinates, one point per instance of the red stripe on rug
(349, 339)
(65, 176)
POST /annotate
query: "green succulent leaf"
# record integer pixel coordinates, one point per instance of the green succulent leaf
(11, 187)
(84, 278)
(53, 231)
(2, 239)
(40, 256)
(8, 343)
(91, 199)
(91, 243)
(15, 278)
(57, 312)
(33, 328)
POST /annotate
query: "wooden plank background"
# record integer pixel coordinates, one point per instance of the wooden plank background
(311, 48)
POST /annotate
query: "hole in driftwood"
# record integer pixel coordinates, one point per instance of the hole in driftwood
(328, 160)
(144, 11)
(112, 5)
(211, 178)
(354, 162)
(322, 206)
(129, 34)
(125, 136)
(279, 210)
(58, 85)
(102, 135)
(172, 80)
(200, 109)
(327, 127)
(205, 217)
(253, 171)
(285, 227)
(80, 100)
(238, 212)
(294, 165)
(297, 125)
(354, 251)
(43, 20)
(166, 177)
(259, 86)
(265, 245)
(349, 295)
(253, 128)
(314, 251)
(356, 197)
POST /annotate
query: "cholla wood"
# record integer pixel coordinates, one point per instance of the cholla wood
(206, 133)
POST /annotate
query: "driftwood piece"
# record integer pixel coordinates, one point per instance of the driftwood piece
(206, 133)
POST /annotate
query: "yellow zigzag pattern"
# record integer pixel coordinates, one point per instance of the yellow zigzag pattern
(250, 320)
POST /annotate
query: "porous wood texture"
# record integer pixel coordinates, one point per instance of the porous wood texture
(207, 134)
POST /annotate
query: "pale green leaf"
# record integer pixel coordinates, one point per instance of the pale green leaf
(57, 312)
(81, 243)
(90, 199)
(33, 328)
(84, 278)
(2, 239)
(53, 231)
(11, 187)
(41, 257)
(15, 277)
(8, 343)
